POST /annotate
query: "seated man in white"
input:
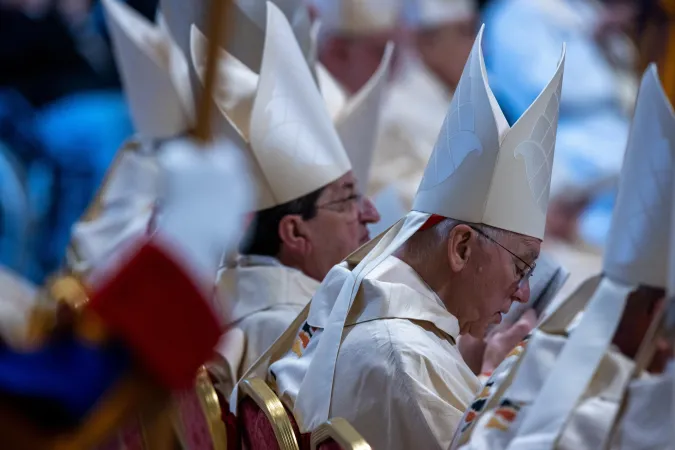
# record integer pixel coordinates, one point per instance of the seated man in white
(378, 346)
(593, 358)
(308, 170)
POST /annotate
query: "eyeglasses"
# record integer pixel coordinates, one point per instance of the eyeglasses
(524, 275)
(348, 205)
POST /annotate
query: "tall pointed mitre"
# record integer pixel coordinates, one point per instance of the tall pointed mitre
(356, 117)
(357, 121)
(636, 254)
(482, 171)
(637, 250)
(154, 73)
(248, 24)
(291, 139)
(359, 16)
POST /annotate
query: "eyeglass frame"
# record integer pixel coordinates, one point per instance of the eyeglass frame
(527, 274)
(357, 197)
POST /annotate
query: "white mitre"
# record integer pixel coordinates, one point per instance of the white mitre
(356, 117)
(246, 38)
(154, 76)
(637, 250)
(293, 145)
(420, 14)
(637, 253)
(480, 171)
(153, 72)
(358, 17)
(483, 171)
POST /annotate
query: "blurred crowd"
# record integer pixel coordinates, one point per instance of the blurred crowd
(63, 114)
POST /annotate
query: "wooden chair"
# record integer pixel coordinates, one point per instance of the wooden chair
(266, 423)
(337, 434)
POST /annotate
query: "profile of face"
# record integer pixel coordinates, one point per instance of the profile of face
(353, 60)
(338, 228)
(490, 269)
(445, 49)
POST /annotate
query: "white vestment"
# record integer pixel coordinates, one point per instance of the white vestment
(412, 114)
(264, 297)
(122, 211)
(400, 379)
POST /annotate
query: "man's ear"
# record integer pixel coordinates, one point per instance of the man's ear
(293, 234)
(459, 247)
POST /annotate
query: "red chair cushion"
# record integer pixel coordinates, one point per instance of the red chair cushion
(230, 420)
(257, 432)
(329, 445)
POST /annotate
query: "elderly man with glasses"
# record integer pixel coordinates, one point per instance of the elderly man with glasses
(378, 346)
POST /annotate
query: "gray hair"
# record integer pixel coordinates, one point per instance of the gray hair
(424, 243)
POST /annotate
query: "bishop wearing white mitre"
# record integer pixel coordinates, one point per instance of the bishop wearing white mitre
(310, 213)
(566, 388)
(378, 345)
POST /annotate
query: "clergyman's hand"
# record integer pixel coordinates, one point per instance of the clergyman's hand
(501, 342)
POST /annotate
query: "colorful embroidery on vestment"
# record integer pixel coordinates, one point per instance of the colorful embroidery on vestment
(504, 415)
(302, 340)
(518, 349)
(477, 406)
(491, 385)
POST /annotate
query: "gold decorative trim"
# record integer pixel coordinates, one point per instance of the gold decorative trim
(61, 294)
(269, 403)
(95, 208)
(341, 432)
(208, 398)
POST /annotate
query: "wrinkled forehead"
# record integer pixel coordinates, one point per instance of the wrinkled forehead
(526, 247)
(344, 186)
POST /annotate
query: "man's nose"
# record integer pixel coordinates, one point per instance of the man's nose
(522, 293)
(368, 212)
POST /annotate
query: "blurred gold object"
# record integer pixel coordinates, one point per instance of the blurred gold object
(274, 410)
(209, 410)
(668, 60)
(339, 430)
(60, 300)
(657, 41)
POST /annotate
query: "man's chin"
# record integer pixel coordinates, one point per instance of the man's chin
(477, 330)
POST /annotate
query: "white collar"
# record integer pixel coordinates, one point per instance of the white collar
(392, 290)
(259, 282)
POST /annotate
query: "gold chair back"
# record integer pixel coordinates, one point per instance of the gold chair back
(263, 396)
(340, 431)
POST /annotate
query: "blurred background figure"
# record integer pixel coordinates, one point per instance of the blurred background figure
(597, 99)
(62, 117)
(440, 34)
(354, 35)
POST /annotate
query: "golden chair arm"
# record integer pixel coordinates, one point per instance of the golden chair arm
(269, 403)
(210, 406)
(341, 432)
